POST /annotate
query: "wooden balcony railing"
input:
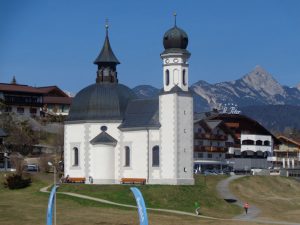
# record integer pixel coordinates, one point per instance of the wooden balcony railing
(210, 149)
(211, 136)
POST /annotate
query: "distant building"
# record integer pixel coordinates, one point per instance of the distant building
(212, 140)
(4, 160)
(32, 101)
(287, 154)
(231, 140)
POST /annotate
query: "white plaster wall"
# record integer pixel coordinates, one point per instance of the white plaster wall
(167, 118)
(255, 148)
(112, 130)
(26, 110)
(103, 163)
(175, 63)
(255, 138)
(154, 171)
(185, 137)
(137, 141)
(74, 134)
(80, 135)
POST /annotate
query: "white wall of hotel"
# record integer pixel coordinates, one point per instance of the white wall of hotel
(25, 110)
(255, 148)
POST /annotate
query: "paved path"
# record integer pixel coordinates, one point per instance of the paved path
(225, 193)
(45, 190)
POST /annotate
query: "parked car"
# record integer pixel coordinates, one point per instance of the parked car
(32, 168)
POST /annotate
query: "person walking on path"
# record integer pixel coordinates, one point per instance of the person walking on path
(246, 207)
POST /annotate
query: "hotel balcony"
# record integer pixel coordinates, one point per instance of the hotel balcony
(211, 136)
(280, 159)
(210, 149)
(256, 148)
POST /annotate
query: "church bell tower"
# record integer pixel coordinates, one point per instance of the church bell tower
(107, 63)
(176, 110)
(175, 59)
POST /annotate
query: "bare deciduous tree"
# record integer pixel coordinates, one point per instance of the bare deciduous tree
(17, 161)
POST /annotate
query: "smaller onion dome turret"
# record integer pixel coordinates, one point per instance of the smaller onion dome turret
(175, 39)
(106, 99)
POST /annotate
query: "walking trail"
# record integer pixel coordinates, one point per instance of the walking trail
(224, 192)
(45, 190)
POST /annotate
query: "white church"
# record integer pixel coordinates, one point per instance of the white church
(111, 135)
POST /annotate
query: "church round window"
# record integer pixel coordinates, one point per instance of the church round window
(103, 128)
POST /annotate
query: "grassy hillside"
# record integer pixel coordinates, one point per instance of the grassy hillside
(277, 197)
(28, 206)
(165, 196)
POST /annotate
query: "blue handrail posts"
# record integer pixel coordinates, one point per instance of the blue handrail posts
(140, 205)
(50, 205)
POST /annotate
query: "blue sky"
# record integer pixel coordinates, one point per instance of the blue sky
(55, 42)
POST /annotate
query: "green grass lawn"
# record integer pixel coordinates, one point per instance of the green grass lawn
(28, 206)
(180, 198)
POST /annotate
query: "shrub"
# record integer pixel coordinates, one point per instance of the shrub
(16, 181)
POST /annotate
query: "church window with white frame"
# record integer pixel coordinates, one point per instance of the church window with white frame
(167, 77)
(155, 155)
(183, 77)
(127, 156)
(75, 156)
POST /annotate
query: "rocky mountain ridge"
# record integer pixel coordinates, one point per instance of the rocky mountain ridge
(257, 87)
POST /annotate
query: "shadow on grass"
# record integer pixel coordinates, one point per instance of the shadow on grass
(230, 200)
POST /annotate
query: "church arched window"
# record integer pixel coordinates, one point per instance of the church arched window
(127, 156)
(167, 77)
(183, 77)
(76, 156)
(155, 156)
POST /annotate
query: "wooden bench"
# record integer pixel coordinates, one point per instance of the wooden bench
(133, 180)
(75, 180)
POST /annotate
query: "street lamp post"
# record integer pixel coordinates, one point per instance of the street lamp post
(54, 183)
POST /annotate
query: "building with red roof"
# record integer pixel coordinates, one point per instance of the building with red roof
(34, 101)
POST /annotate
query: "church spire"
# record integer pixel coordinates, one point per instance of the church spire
(13, 81)
(107, 62)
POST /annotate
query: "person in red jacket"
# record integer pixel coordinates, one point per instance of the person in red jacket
(246, 207)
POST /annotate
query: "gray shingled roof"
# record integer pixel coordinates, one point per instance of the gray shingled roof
(176, 89)
(100, 101)
(106, 55)
(2, 133)
(141, 114)
(104, 138)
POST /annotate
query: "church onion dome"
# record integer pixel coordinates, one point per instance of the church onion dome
(106, 55)
(175, 40)
(101, 101)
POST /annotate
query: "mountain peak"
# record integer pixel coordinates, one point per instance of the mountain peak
(298, 86)
(260, 80)
(259, 69)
